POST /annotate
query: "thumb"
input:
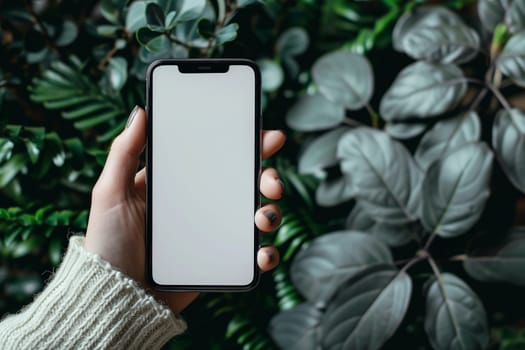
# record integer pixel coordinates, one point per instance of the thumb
(123, 158)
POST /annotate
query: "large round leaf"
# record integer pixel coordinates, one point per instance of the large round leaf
(272, 74)
(423, 90)
(516, 14)
(393, 235)
(328, 261)
(383, 173)
(334, 192)
(136, 18)
(367, 310)
(455, 190)
(296, 328)
(505, 263)
(314, 112)
(512, 60)
(321, 153)
(345, 78)
(508, 140)
(292, 42)
(447, 135)
(454, 318)
(435, 34)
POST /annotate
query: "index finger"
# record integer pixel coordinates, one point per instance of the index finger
(272, 141)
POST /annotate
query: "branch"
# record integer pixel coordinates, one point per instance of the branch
(502, 100)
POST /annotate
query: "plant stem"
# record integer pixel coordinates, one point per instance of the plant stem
(352, 122)
(374, 117)
(434, 267)
(461, 257)
(429, 241)
(502, 100)
(106, 58)
(478, 99)
(412, 262)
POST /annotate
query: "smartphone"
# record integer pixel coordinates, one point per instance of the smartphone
(203, 167)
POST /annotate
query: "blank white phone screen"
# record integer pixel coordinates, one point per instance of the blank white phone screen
(203, 156)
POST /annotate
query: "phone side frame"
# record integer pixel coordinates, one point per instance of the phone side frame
(149, 169)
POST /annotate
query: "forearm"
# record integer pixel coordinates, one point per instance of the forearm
(90, 305)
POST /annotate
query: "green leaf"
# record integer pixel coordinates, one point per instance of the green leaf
(292, 42)
(447, 135)
(367, 310)
(504, 263)
(68, 34)
(314, 112)
(6, 149)
(404, 131)
(136, 18)
(492, 12)
(435, 34)
(345, 78)
(206, 28)
(455, 190)
(110, 10)
(516, 13)
(11, 168)
(423, 90)
(296, 328)
(272, 74)
(117, 72)
(508, 140)
(454, 315)
(33, 150)
(108, 31)
(393, 235)
(383, 173)
(321, 153)
(328, 261)
(334, 192)
(154, 15)
(190, 10)
(511, 62)
(171, 20)
(243, 3)
(227, 33)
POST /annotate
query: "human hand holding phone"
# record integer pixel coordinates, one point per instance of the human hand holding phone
(116, 225)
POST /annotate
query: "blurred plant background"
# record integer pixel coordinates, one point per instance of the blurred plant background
(404, 167)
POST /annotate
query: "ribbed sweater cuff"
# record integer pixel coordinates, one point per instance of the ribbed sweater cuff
(90, 305)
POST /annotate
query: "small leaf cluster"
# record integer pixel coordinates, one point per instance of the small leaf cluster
(356, 294)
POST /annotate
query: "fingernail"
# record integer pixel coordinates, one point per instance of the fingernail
(271, 216)
(132, 116)
(270, 255)
(281, 183)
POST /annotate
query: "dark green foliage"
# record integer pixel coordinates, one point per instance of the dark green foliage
(72, 70)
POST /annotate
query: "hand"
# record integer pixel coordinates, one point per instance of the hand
(116, 224)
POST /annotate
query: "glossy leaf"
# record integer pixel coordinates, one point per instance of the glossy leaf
(511, 62)
(516, 13)
(455, 190)
(345, 78)
(455, 318)
(404, 131)
(383, 173)
(314, 112)
(366, 310)
(190, 9)
(508, 140)
(333, 258)
(334, 192)
(504, 263)
(292, 42)
(227, 33)
(136, 18)
(394, 235)
(117, 72)
(423, 90)
(154, 15)
(296, 328)
(492, 12)
(447, 135)
(272, 74)
(435, 34)
(321, 153)
(68, 34)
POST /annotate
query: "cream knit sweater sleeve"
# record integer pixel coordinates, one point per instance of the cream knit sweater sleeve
(90, 305)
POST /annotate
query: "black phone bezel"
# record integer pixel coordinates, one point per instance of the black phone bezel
(202, 66)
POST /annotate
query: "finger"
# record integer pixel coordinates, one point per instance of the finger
(271, 185)
(140, 183)
(272, 141)
(267, 258)
(268, 217)
(123, 158)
